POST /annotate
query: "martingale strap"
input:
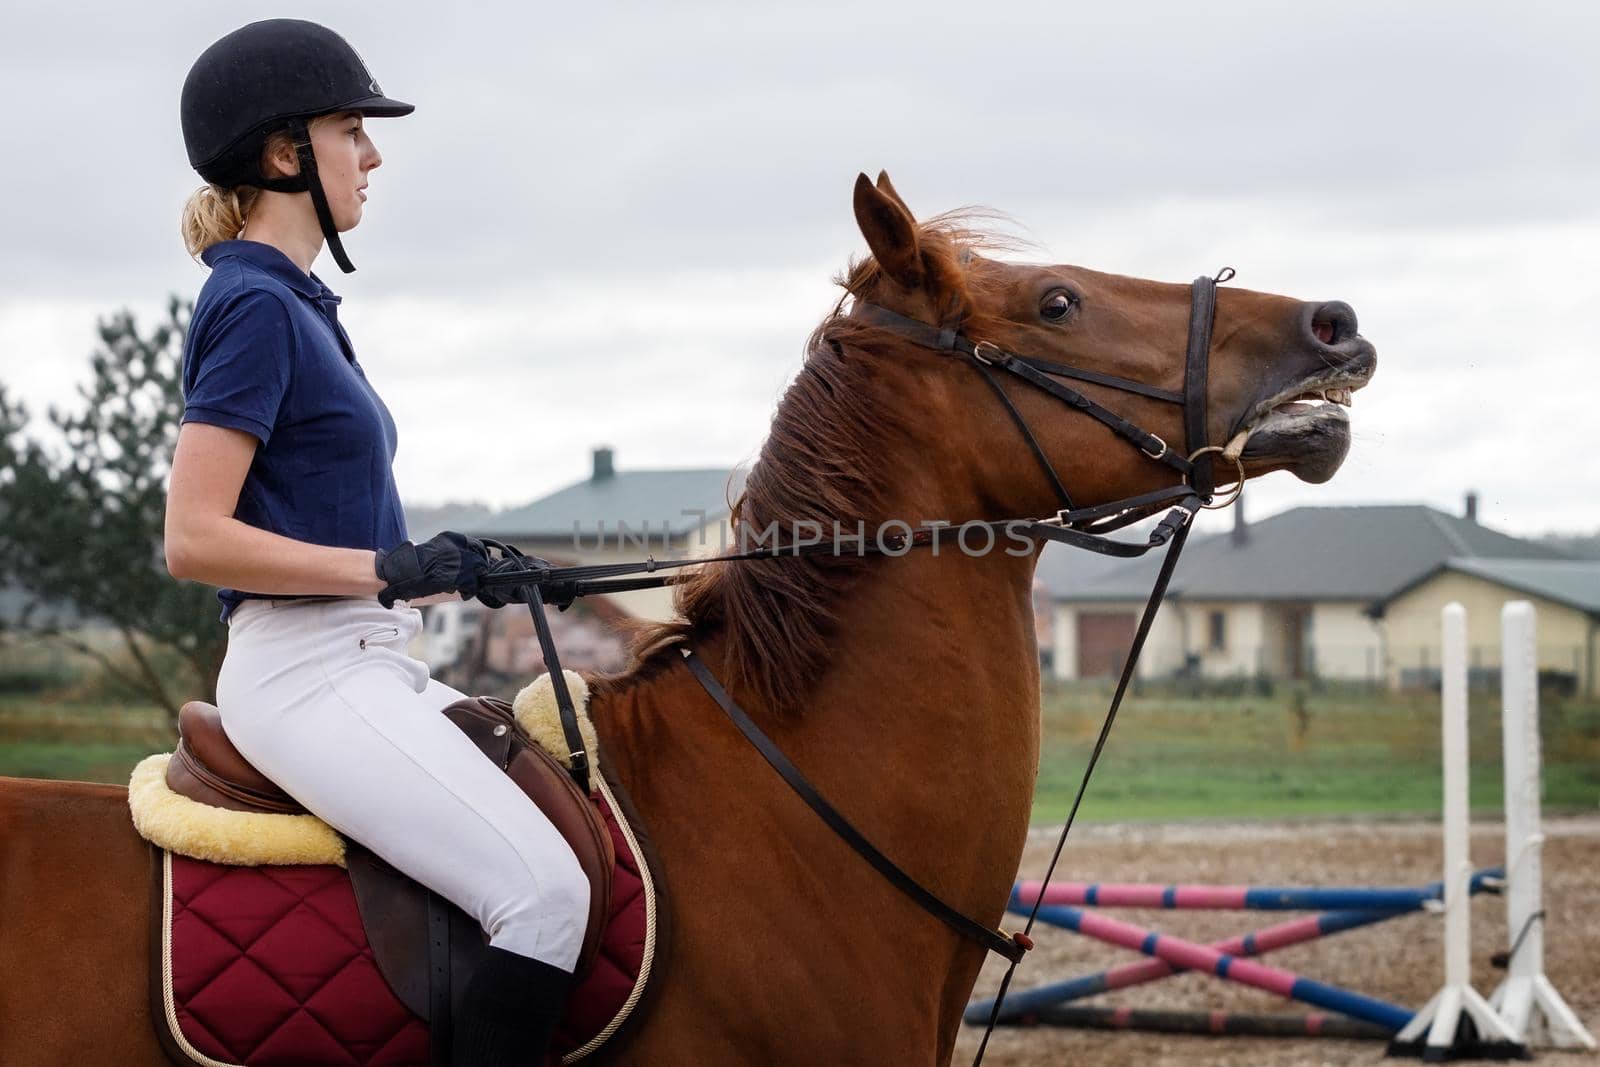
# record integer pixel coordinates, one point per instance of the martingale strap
(575, 582)
(993, 940)
(1011, 946)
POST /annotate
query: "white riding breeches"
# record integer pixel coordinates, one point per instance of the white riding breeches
(322, 698)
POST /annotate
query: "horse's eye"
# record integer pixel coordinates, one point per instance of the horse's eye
(1056, 306)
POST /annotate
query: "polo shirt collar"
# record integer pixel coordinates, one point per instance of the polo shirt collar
(273, 261)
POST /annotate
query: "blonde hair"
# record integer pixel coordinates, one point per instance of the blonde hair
(216, 213)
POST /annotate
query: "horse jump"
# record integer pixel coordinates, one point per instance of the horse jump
(1528, 1006)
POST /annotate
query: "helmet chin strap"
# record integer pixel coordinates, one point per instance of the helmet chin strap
(307, 180)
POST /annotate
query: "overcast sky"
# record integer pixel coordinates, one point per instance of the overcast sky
(616, 222)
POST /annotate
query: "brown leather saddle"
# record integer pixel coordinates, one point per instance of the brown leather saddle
(424, 946)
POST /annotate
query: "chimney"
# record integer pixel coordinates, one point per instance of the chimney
(604, 466)
(1241, 528)
(1472, 506)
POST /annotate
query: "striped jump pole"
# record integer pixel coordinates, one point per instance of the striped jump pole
(1220, 1023)
(1197, 957)
(1294, 932)
(1031, 1002)
(1235, 897)
(1526, 1000)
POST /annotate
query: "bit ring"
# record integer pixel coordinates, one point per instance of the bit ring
(1238, 487)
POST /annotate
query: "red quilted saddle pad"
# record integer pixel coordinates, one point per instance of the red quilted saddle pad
(270, 967)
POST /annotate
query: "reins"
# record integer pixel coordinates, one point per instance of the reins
(1083, 528)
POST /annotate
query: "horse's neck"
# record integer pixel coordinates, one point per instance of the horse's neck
(923, 729)
(930, 712)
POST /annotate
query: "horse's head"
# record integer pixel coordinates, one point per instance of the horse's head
(883, 425)
(1280, 370)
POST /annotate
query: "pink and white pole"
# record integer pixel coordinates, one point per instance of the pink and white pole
(1527, 1001)
(1441, 1018)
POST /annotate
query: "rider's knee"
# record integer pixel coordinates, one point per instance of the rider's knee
(564, 885)
(556, 894)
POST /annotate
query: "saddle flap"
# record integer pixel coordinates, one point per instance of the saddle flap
(394, 913)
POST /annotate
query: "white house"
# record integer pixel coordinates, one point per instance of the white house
(1565, 595)
(1287, 597)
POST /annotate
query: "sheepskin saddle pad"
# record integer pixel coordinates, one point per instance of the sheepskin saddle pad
(275, 941)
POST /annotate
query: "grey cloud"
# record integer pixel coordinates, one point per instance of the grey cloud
(665, 169)
(550, 140)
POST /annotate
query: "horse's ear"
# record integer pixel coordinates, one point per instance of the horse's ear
(887, 189)
(890, 231)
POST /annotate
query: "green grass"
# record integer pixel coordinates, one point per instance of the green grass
(1168, 757)
(1252, 757)
(78, 761)
(83, 741)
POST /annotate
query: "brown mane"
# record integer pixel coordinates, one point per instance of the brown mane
(821, 462)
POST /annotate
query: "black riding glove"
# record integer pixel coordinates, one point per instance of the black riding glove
(446, 563)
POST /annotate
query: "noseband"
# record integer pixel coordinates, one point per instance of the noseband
(1080, 527)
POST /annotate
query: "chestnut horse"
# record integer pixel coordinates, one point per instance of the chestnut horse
(906, 688)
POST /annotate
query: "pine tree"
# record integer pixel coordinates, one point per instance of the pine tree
(81, 521)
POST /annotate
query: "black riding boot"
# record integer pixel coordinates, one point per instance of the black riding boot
(508, 1012)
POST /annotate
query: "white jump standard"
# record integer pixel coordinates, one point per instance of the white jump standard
(1528, 1003)
(1442, 1018)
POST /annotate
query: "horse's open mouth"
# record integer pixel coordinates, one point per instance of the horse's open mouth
(1304, 428)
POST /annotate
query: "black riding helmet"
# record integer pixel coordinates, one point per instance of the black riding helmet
(269, 76)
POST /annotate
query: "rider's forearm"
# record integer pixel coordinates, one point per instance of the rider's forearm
(225, 552)
(436, 598)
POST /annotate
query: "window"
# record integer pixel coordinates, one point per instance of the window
(1217, 630)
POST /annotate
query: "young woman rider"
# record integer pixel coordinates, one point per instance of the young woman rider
(283, 495)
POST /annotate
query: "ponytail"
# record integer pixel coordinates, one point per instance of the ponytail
(214, 214)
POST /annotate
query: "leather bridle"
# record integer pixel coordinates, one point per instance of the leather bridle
(1193, 464)
(1083, 527)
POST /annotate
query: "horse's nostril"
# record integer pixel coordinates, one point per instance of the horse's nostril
(1334, 322)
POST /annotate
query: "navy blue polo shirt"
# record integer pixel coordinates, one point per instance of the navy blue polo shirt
(265, 353)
